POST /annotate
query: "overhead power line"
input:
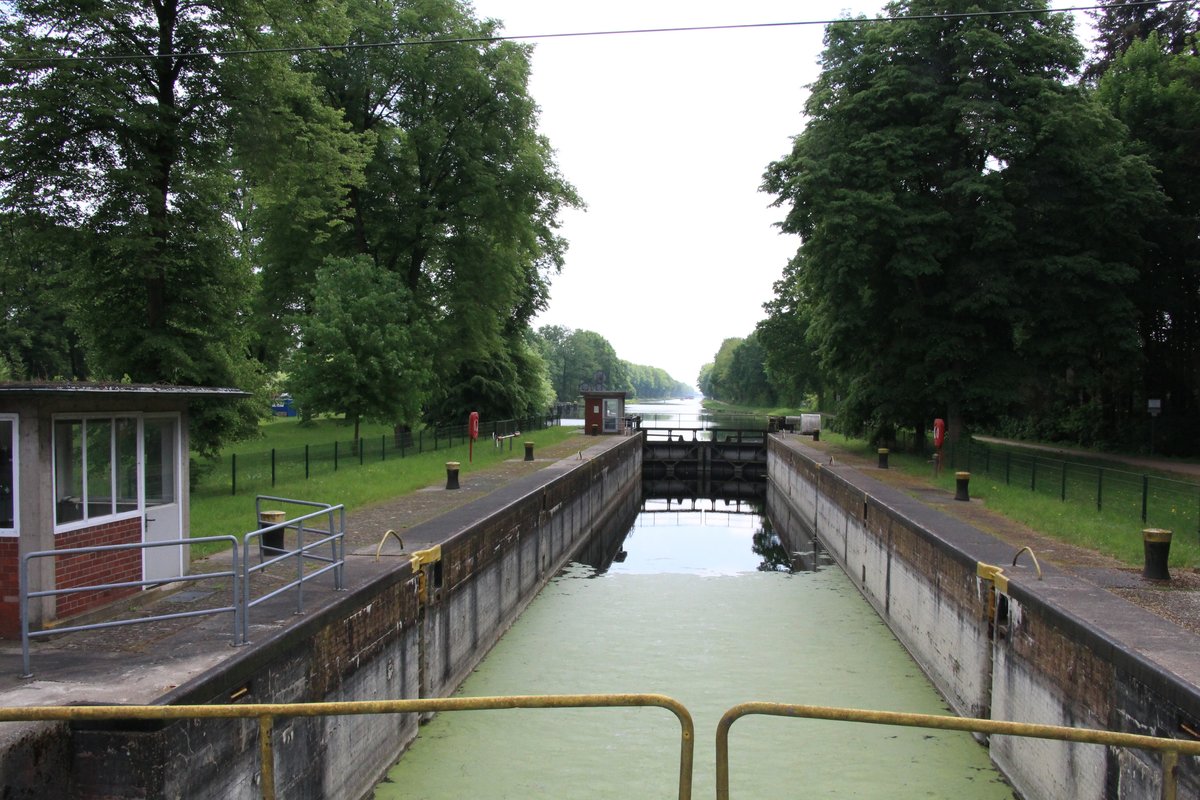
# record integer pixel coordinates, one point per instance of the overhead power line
(576, 34)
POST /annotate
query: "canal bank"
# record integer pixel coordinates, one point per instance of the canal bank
(1030, 643)
(412, 623)
(916, 566)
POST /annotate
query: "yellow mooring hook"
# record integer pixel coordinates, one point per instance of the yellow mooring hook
(390, 532)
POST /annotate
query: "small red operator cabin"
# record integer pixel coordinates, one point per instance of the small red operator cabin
(87, 464)
(603, 413)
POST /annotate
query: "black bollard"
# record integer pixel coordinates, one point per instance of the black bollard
(271, 543)
(883, 458)
(1156, 543)
(961, 479)
(452, 474)
(529, 451)
(816, 436)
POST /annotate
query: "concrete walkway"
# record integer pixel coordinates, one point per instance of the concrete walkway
(137, 664)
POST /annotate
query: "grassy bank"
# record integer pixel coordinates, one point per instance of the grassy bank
(1115, 533)
(215, 512)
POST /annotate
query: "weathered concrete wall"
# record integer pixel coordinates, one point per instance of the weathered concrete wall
(380, 642)
(1056, 651)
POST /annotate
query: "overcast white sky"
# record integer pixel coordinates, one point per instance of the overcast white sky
(666, 137)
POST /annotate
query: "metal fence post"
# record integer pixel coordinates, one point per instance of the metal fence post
(1100, 488)
(361, 447)
(1145, 493)
(233, 478)
(1033, 476)
(1063, 495)
(383, 448)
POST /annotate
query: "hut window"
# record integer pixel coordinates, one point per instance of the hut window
(95, 468)
(8, 476)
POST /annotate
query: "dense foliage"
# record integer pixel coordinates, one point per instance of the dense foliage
(374, 226)
(982, 239)
(578, 360)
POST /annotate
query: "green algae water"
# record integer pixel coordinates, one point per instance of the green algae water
(695, 606)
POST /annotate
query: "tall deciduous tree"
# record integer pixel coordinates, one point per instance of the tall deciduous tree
(362, 345)
(969, 221)
(1157, 95)
(113, 123)
(577, 358)
(789, 360)
(1121, 23)
(460, 196)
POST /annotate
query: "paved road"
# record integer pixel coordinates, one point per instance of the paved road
(1183, 468)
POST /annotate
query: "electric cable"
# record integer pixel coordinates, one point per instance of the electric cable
(491, 39)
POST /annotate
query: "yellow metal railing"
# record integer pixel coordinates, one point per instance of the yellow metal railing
(1170, 748)
(266, 713)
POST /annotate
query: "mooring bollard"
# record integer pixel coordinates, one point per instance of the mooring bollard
(883, 458)
(816, 436)
(529, 451)
(595, 429)
(961, 480)
(452, 474)
(1156, 543)
(271, 542)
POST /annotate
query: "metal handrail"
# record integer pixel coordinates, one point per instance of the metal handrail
(1171, 748)
(334, 537)
(26, 634)
(267, 712)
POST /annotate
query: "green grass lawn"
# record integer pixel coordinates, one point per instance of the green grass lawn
(1115, 531)
(216, 512)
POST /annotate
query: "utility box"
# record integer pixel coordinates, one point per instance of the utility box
(804, 424)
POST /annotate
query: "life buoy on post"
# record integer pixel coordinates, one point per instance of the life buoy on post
(939, 438)
(472, 433)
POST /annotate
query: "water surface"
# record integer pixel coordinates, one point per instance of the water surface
(690, 609)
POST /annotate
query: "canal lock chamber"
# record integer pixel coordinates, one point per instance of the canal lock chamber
(702, 599)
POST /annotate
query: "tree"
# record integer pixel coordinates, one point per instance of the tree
(460, 195)
(111, 123)
(715, 379)
(37, 261)
(747, 378)
(654, 383)
(789, 360)
(1121, 23)
(361, 348)
(1157, 96)
(968, 219)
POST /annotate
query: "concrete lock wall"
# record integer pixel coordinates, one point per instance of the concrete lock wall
(1056, 651)
(380, 642)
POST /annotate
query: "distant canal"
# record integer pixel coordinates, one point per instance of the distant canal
(707, 607)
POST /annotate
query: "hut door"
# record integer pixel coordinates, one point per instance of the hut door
(160, 490)
(612, 409)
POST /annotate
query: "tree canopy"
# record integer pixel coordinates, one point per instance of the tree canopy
(970, 221)
(174, 216)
